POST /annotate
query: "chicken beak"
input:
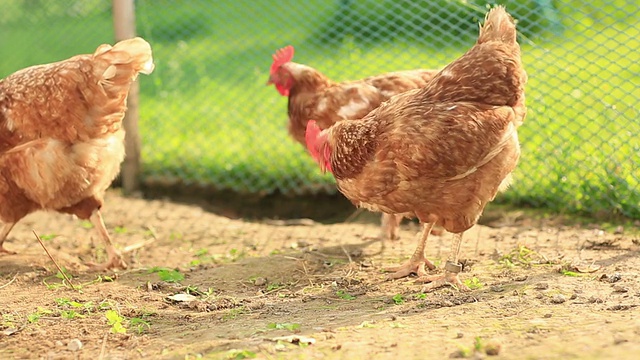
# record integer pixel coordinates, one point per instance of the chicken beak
(270, 81)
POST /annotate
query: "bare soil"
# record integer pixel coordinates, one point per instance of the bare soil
(265, 289)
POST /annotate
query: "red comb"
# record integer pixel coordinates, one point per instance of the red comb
(281, 57)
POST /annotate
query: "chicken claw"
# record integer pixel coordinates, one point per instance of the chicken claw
(450, 277)
(114, 262)
(6, 252)
(418, 260)
(412, 266)
(114, 258)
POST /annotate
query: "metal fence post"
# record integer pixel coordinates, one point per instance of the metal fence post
(124, 24)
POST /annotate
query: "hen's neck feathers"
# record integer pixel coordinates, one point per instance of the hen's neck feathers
(306, 79)
(354, 144)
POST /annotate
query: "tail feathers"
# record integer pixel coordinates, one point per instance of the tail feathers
(498, 26)
(120, 64)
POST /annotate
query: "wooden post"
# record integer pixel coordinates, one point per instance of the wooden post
(124, 24)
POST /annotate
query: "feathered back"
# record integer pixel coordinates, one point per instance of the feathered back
(489, 73)
(74, 99)
(498, 26)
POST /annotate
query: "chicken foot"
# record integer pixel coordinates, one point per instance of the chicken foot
(6, 229)
(114, 259)
(416, 264)
(451, 270)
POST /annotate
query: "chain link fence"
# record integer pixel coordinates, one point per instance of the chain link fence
(206, 116)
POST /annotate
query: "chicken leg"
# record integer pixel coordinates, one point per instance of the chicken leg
(114, 259)
(6, 228)
(390, 225)
(451, 270)
(416, 264)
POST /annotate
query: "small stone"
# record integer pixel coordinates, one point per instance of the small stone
(558, 299)
(260, 281)
(595, 300)
(542, 286)
(546, 316)
(573, 296)
(497, 288)
(620, 289)
(492, 348)
(59, 343)
(74, 345)
(619, 340)
(520, 278)
(611, 279)
(459, 335)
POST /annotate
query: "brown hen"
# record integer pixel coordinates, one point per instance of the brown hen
(61, 135)
(312, 95)
(440, 153)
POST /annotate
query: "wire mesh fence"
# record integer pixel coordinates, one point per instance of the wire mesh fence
(207, 117)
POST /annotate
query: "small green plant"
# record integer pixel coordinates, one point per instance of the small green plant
(35, 317)
(167, 275)
(139, 324)
(60, 276)
(283, 326)
(235, 255)
(175, 236)
(398, 299)
(115, 321)
(570, 273)
(366, 325)
(477, 344)
(86, 224)
(120, 230)
(420, 296)
(70, 314)
(86, 307)
(233, 313)
(344, 295)
(274, 286)
(202, 252)
(473, 283)
(8, 321)
(240, 354)
(195, 291)
(521, 256)
(46, 237)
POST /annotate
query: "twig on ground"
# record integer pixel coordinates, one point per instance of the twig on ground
(346, 253)
(54, 260)
(152, 231)
(9, 283)
(104, 346)
(139, 245)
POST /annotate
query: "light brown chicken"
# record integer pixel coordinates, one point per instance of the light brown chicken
(312, 95)
(440, 153)
(61, 135)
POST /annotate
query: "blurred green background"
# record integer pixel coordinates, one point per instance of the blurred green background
(207, 117)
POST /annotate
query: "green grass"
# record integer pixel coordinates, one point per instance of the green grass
(206, 115)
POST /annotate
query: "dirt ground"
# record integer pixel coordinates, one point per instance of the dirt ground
(302, 290)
